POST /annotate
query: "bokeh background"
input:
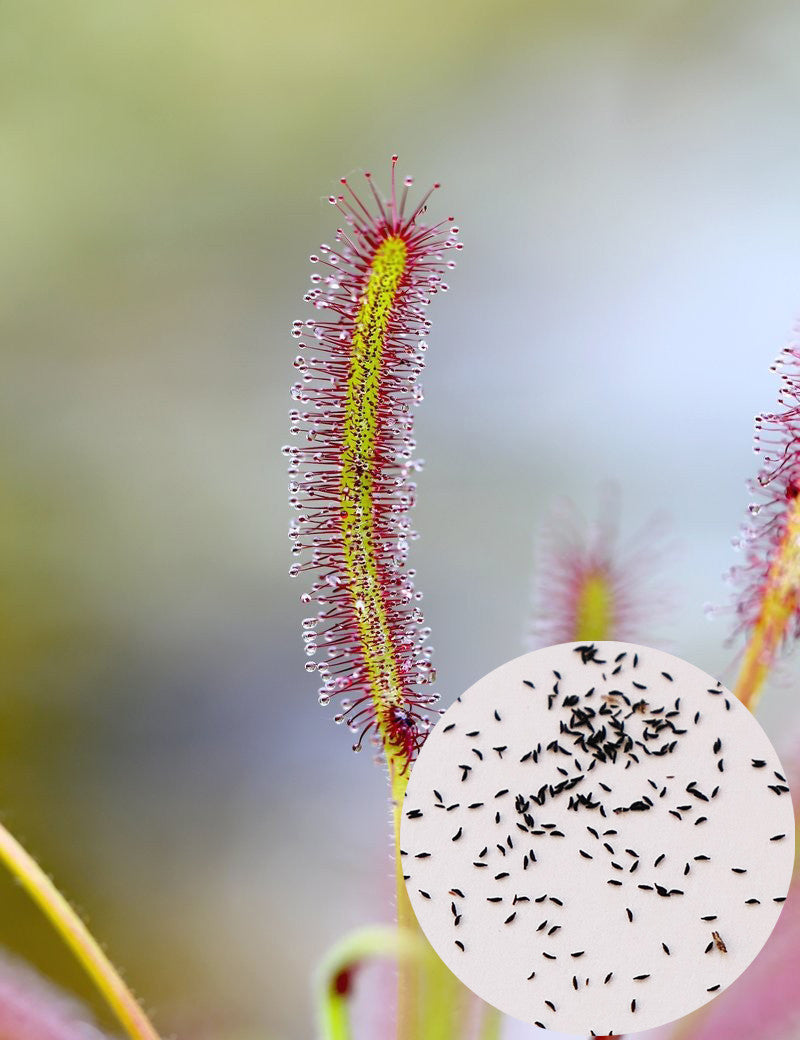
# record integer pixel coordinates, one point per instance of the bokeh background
(625, 176)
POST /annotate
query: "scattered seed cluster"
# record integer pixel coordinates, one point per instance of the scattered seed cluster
(597, 837)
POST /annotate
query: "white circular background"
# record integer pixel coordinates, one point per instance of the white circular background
(527, 888)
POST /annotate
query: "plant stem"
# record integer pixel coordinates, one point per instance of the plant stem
(407, 974)
(335, 978)
(76, 935)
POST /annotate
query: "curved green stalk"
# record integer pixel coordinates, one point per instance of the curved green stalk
(76, 935)
(335, 974)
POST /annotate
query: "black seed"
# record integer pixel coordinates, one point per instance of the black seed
(711, 917)
(712, 989)
(457, 835)
(510, 918)
(607, 979)
(639, 978)
(717, 746)
(710, 947)
(585, 855)
(550, 1004)
(739, 870)
(752, 902)
(659, 859)
(613, 881)
(777, 837)
(532, 976)
(633, 1005)
(629, 912)
(758, 763)
(414, 814)
(665, 948)
(549, 956)
(425, 895)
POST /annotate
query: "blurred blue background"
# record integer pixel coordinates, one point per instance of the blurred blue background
(625, 176)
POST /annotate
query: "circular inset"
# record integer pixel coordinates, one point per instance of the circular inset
(597, 837)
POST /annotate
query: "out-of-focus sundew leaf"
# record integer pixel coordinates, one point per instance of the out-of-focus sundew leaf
(589, 585)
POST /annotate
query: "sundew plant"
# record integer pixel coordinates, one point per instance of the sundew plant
(352, 468)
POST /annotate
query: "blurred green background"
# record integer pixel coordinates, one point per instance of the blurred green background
(625, 176)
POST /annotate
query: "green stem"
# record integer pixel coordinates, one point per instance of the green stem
(335, 976)
(408, 980)
(76, 935)
(492, 1021)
